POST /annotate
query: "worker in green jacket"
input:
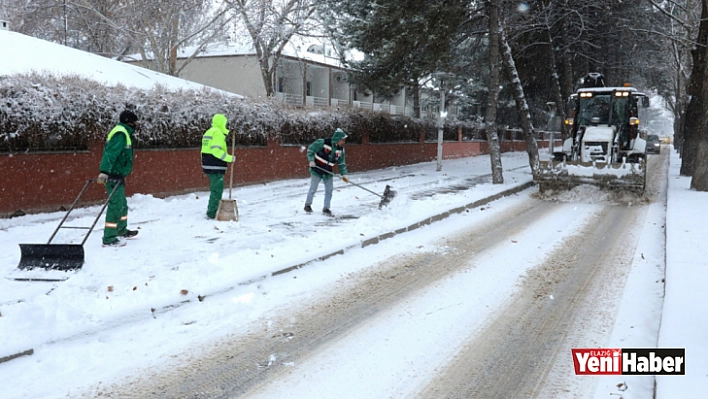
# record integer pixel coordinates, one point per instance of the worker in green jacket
(116, 164)
(215, 160)
(322, 155)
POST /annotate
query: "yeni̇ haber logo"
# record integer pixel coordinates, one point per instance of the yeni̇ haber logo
(629, 361)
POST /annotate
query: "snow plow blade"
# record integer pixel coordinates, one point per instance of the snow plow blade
(563, 175)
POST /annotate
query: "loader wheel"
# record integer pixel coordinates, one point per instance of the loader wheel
(559, 156)
(635, 158)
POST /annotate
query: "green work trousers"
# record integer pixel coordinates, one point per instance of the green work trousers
(116, 212)
(216, 186)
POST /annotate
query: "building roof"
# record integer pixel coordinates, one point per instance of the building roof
(316, 50)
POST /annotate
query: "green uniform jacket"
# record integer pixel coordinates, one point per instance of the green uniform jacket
(326, 154)
(117, 158)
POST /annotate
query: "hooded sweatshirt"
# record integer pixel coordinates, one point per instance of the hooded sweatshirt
(326, 154)
(214, 155)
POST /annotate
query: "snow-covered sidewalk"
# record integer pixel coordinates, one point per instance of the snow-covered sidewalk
(684, 321)
(180, 257)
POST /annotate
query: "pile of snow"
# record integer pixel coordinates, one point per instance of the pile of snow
(589, 194)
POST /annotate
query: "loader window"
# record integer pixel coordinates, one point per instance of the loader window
(620, 118)
(597, 107)
(619, 112)
(641, 104)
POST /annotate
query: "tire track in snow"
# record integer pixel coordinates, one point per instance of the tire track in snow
(237, 366)
(511, 358)
(568, 301)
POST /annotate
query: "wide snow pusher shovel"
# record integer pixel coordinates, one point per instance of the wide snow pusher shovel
(60, 257)
(386, 198)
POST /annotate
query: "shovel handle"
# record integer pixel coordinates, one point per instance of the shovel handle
(351, 182)
(103, 208)
(233, 150)
(71, 208)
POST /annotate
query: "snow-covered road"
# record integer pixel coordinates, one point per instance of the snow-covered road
(498, 293)
(489, 310)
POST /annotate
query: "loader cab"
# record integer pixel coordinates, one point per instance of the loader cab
(620, 108)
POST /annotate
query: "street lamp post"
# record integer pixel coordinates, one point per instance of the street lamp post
(441, 122)
(551, 108)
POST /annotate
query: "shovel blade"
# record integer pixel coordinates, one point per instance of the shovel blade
(387, 196)
(51, 256)
(227, 211)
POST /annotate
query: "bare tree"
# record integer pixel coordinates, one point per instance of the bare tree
(156, 29)
(160, 28)
(43, 19)
(493, 98)
(680, 26)
(549, 17)
(696, 108)
(270, 24)
(96, 26)
(695, 151)
(521, 105)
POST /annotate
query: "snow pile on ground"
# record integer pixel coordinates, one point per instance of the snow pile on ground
(589, 194)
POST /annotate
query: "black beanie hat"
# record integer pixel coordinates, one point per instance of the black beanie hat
(128, 117)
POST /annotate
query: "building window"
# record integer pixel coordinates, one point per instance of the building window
(316, 49)
(281, 84)
(309, 89)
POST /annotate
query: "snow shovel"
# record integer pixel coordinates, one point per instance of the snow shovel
(62, 257)
(227, 208)
(385, 198)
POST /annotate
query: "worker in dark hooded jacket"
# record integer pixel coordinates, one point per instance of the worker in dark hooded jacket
(215, 160)
(322, 155)
(116, 165)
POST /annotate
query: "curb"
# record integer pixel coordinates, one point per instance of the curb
(16, 355)
(384, 236)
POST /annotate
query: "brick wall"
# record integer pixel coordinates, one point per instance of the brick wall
(41, 182)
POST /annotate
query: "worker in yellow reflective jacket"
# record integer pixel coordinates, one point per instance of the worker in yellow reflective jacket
(215, 160)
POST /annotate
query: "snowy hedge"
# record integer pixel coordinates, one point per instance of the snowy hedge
(41, 112)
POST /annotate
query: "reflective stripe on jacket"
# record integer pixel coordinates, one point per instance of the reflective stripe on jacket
(117, 160)
(326, 155)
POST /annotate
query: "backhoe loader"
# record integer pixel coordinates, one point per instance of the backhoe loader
(606, 146)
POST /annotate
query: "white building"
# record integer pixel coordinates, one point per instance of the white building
(309, 74)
